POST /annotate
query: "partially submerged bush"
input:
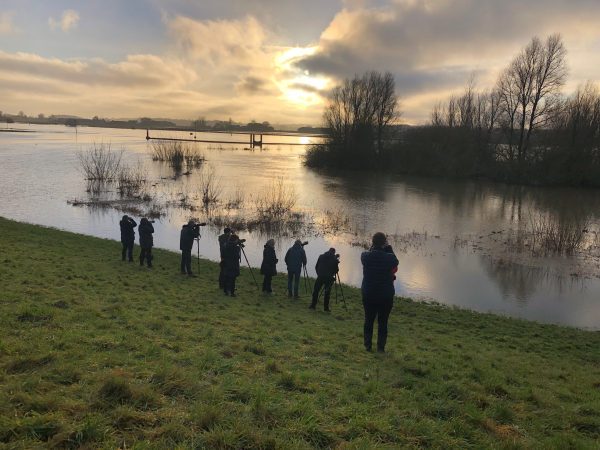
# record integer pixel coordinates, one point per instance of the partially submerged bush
(132, 178)
(277, 198)
(100, 162)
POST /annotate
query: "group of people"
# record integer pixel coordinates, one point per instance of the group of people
(379, 267)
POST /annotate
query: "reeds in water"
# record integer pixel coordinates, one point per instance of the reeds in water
(277, 198)
(548, 234)
(177, 154)
(131, 179)
(99, 162)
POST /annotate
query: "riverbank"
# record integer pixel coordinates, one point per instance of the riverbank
(100, 353)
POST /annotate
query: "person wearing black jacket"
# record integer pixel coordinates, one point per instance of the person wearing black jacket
(268, 268)
(327, 267)
(189, 233)
(232, 255)
(127, 225)
(378, 290)
(146, 241)
(222, 240)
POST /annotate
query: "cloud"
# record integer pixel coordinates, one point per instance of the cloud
(7, 27)
(68, 20)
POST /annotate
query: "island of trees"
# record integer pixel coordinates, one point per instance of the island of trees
(522, 130)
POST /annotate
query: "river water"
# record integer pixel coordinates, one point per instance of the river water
(448, 234)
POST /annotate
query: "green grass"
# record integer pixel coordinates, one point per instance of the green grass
(98, 353)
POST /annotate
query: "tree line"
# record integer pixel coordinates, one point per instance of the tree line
(522, 130)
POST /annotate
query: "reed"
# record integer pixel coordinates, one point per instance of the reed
(99, 162)
(177, 154)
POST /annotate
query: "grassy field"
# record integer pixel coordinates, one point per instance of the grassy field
(99, 353)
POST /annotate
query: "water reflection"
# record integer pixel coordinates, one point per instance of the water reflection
(444, 231)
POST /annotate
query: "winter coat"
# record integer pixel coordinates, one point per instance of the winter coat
(378, 281)
(222, 241)
(146, 229)
(231, 255)
(186, 239)
(327, 265)
(269, 263)
(127, 230)
(295, 258)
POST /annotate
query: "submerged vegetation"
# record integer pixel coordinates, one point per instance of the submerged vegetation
(99, 353)
(178, 155)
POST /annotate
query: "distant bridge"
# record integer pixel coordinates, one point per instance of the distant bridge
(252, 134)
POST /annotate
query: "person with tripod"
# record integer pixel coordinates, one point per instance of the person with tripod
(232, 256)
(189, 233)
(378, 290)
(327, 267)
(268, 268)
(295, 258)
(127, 225)
(222, 241)
(146, 241)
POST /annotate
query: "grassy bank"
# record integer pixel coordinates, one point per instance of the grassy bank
(98, 353)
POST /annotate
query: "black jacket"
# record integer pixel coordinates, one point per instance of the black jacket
(127, 230)
(186, 240)
(327, 265)
(146, 229)
(222, 241)
(231, 253)
(378, 281)
(269, 262)
(295, 258)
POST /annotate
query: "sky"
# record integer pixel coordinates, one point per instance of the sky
(273, 60)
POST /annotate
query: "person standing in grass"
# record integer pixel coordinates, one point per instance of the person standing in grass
(295, 258)
(327, 267)
(378, 289)
(146, 241)
(268, 268)
(222, 241)
(189, 233)
(232, 256)
(127, 225)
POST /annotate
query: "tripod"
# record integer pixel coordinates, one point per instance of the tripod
(341, 290)
(305, 279)
(247, 262)
(198, 240)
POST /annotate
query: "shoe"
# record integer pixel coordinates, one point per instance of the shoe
(289, 295)
(225, 293)
(327, 310)
(380, 350)
(296, 296)
(232, 295)
(369, 349)
(271, 293)
(131, 260)
(311, 307)
(264, 290)
(191, 275)
(183, 273)
(123, 259)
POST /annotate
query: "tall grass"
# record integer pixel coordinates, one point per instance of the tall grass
(99, 162)
(277, 198)
(177, 154)
(131, 179)
(209, 185)
(548, 234)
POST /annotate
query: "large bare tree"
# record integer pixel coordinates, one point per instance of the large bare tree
(529, 91)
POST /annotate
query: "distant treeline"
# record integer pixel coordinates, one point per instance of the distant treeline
(521, 131)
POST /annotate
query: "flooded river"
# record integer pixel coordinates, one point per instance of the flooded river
(451, 237)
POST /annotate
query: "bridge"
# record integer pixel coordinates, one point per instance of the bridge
(254, 142)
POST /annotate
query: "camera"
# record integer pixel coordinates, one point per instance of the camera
(151, 221)
(198, 225)
(304, 243)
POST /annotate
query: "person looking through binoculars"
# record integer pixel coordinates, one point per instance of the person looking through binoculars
(232, 256)
(127, 225)
(327, 267)
(295, 258)
(189, 233)
(146, 241)
(268, 268)
(222, 241)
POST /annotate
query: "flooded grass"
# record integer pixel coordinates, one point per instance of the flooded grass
(127, 357)
(99, 162)
(178, 155)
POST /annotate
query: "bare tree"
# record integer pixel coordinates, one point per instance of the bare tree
(530, 89)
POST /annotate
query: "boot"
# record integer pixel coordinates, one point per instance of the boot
(381, 340)
(141, 261)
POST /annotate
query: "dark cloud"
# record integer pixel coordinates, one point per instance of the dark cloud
(251, 85)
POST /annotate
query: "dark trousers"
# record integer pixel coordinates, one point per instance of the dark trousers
(229, 284)
(328, 283)
(296, 277)
(127, 246)
(186, 261)
(379, 309)
(222, 278)
(267, 283)
(146, 253)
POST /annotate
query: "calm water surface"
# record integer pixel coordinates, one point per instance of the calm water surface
(38, 175)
